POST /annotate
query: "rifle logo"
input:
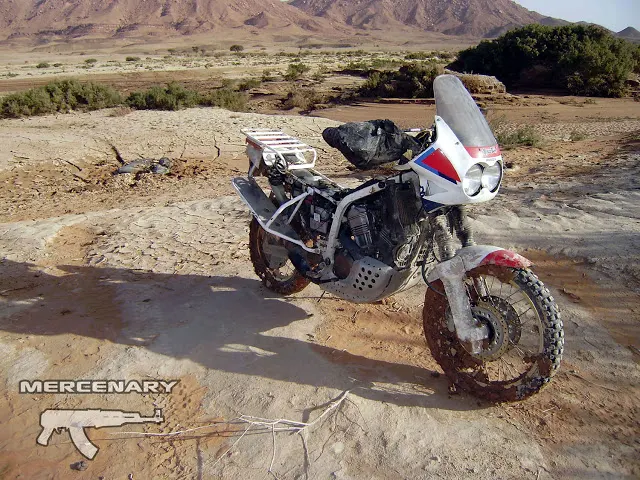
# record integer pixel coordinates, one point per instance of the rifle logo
(77, 420)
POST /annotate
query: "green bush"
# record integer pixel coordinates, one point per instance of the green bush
(509, 138)
(228, 99)
(249, 84)
(43, 65)
(296, 70)
(172, 97)
(132, 59)
(267, 76)
(60, 96)
(584, 60)
(419, 56)
(236, 48)
(91, 61)
(521, 137)
(303, 98)
(410, 81)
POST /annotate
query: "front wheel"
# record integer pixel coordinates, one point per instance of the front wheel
(526, 337)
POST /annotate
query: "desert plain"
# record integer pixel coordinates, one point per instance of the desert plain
(106, 276)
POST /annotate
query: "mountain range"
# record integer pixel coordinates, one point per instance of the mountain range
(43, 20)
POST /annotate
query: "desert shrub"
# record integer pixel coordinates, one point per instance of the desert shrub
(636, 58)
(296, 70)
(577, 136)
(446, 55)
(172, 97)
(267, 76)
(303, 98)
(509, 137)
(520, 137)
(386, 63)
(418, 56)
(236, 48)
(43, 65)
(228, 99)
(585, 60)
(59, 96)
(57, 64)
(410, 81)
(319, 76)
(132, 59)
(249, 84)
(91, 61)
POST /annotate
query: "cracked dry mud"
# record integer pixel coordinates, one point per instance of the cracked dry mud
(150, 278)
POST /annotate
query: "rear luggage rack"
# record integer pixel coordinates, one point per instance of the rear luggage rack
(276, 145)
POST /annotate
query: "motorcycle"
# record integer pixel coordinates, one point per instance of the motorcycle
(489, 322)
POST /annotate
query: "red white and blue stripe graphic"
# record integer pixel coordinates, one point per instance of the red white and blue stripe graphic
(437, 162)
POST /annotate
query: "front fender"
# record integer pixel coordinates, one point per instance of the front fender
(478, 255)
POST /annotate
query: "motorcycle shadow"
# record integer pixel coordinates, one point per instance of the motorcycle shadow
(229, 324)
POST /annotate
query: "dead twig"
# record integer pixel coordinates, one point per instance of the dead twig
(272, 425)
(117, 153)
(322, 295)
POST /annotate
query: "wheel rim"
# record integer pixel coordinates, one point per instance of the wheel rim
(516, 329)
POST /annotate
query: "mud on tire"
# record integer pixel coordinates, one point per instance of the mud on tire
(469, 372)
(270, 278)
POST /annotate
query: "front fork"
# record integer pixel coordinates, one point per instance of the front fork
(452, 272)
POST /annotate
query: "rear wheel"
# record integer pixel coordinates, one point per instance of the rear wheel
(271, 262)
(526, 337)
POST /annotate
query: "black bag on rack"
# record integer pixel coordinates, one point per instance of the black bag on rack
(370, 144)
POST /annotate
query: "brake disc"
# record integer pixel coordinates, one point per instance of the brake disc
(498, 342)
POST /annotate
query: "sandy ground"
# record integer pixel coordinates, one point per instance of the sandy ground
(108, 276)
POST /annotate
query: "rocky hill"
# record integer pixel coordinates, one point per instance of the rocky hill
(42, 20)
(477, 18)
(629, 33)
(118, 17)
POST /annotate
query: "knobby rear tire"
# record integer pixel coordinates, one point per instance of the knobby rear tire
(294, 284)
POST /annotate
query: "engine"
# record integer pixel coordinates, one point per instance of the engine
(388, 227)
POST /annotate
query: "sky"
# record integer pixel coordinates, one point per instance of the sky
(613, 14)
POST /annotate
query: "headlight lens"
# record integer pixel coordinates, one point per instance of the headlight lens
(492, 176)
(472, 181)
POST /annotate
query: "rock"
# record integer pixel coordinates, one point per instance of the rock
(481, 84)
(80, 466)
(161, 166)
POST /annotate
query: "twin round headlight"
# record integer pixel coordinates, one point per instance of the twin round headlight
(478, 177)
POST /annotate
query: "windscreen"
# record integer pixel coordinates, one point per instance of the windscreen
(457, 107)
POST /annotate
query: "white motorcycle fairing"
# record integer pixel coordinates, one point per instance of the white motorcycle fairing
(442, 167)
(463, 140)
